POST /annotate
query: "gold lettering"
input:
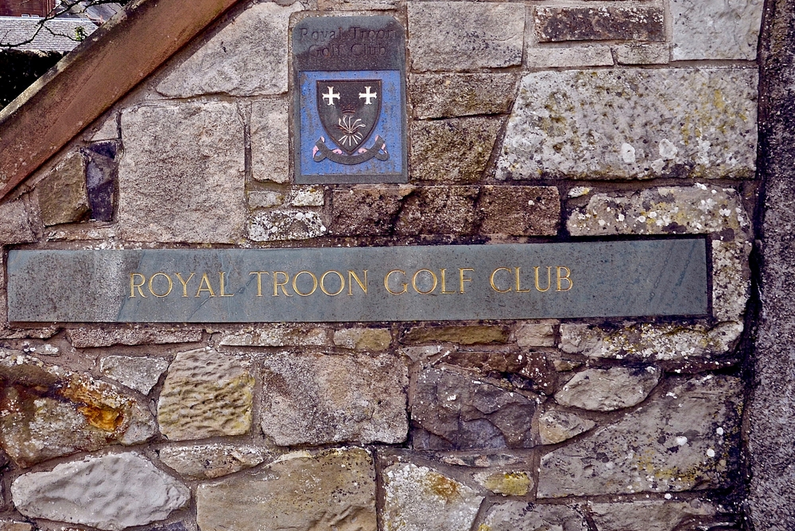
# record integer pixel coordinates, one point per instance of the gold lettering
(277, 284)
(223, 286)
(444, 287)
(414, 282)
(519, 289)
(259, 280)
(295, 283)
(462, 278)
(566, 277)
(493, 285)
(386, 282)
(323, 286)
(184, 283)
(549, 279)
(352, 277)
(133, 285)
(205, 282)
(152, 290)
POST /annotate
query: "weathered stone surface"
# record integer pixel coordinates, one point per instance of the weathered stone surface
(285, 224)
(11, 525)
(525, 370)
(175, 185)
(642, 54)
(520, 210)
(681, 122)
(276, 335)
(464, 335)
(608, 389)
(209, 461)
(505, 483)
(136, 335)
(248, 57)
(301, 196)
(457, 411)
(298, 492)
(651, 515)
(366, 211)
(535, 334)
(62, 193)
(555, 426)
(110, 492)
(102, 174)
(715, 29)
(265, 198)
(683, 439)
(205, 394)
(461, 36)
(641, 23)
(451, 95)
(417, 499)
(15, 223)
(48, 412)
(367, 339)
(546, 57)
(455, 150)
(270, 142)
(439, 210)
(136, 373)
(324, 399)
(357, 5)
(517, 515)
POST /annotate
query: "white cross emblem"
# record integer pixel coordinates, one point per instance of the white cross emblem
(330, 96)
(367, 95)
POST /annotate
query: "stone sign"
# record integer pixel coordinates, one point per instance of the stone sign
(516, 281)
(350, 109)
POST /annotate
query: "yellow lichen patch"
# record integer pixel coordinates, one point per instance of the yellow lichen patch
(442, 486)
(508, 484)
(484, 527)
(105, 419)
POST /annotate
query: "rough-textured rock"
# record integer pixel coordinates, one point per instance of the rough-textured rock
(517, 515)
(505, 483)
(175, 185)
(107, 336)
(209, 461)
(367, 339)
(680, 122)
(464, 335)
(205, 394)
(301, 196)
(641, 23)
(248, 57)
(536, 372)
(298, 492)
(457, 411)
(324, 399)
(715, 29)
(608, 389)
(520, 210)
(546, 57)
(418, 498)
(276, 335)
(136, 373)
(366, 211)
(110, 492)
(102, 174)
(285, 224)
(461, 36)
(11, 525)
(63, 197)
(452, 95)
(270, 140)
(439, 210)
(454, 150)
(265, 198)
(535, 334)
(642, 53)
(653, 515)
(685, 438)
(555, 426)
(15, 223)
(48, 412)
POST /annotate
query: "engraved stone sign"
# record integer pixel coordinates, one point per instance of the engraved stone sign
(350, 109)
(516, 281)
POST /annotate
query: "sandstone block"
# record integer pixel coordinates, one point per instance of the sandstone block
(525, 370)
(608, 389)
(325, 399)
(520, 210)
(63, 197)
(311, 196)
(285, 224)
(299, 492)
(265, 199)
(270, 142)
(715, 29)
(439, 210)
(15, 223)
(205, 394)
(112, 492)
(366, 211)
(452, 95)
(276, 335)
(652, 515)
(366, 339)
(535, 334)
(209, 461)
(642, 54)
(633, 123)
(106, 337)
(546, 57)
(463, 36)
(136, 373)
(455, 150)
(247, 57)
(505, 483)
(175, 185)
(641, 23)
(683, 439)
(556, 426)
(464, 335)
(517, 515)
(11, 525)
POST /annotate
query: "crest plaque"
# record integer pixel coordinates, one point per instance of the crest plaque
(349, 109)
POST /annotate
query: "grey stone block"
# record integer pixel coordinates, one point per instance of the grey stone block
(715, 29)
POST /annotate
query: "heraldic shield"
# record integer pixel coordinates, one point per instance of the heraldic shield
(349, 111)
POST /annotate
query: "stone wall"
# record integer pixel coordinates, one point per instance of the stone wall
(537, 121)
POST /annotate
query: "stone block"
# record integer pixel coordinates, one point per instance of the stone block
(175, 185)
(265, 199)
(62, 194)
(102, 175)
(300, 491)
(505, 483)
(546, 57)
(608, 389)
(640, 23)
(417, 498)
(520, 210)
(462, 36)
(11, 525)
(454, 151)
(111, 492)
(285, 224)
(715, 29)
(324, 399)
(653, 515)
(247, 57)
(270, 140)
(139, 373)
(556, 426)
(16, 225)
(210, 461)
(516, 515)
(276, 335)
(633, 124)
(526, 370)
(642, 53)
(453, 95)
(365, 339)
(306, 196)
(439, 210)
(535, 334)
(367, 211)
(685, 438)
(463, 335)
(106, 337)
(205, 394)
(108, 128)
